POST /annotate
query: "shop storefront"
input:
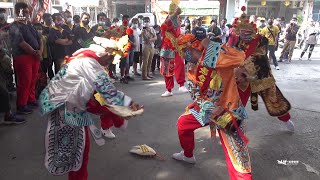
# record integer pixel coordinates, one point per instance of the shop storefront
(207, 9)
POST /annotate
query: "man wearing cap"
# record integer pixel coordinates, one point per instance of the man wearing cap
(262, 24)
(290, 39)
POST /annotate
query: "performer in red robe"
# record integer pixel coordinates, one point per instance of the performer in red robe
(172, 64)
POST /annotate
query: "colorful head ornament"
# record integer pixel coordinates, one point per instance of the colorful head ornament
(115, 41)
(116, 32)
(173, 6)
(243, 27)
(103, 46)
(183, 42)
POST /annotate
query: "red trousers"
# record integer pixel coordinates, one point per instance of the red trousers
(244, 96)
(178, 72)
(26, 68)
(108, 118)
(82, 174)
(95, 108)
(186, 126)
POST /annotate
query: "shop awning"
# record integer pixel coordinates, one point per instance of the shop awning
(82, 3)
(201, 12)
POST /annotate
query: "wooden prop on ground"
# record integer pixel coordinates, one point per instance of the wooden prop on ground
(145, 151)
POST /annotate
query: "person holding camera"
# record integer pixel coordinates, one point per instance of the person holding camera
(290, 39)
(149, 37)
(214, 32)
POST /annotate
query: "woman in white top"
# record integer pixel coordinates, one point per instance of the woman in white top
(311, 34)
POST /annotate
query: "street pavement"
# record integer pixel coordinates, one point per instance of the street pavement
(22, 147)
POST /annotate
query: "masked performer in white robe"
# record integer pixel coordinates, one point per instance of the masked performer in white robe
(65, 102)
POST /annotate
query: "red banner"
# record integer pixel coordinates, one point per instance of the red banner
(42, 10)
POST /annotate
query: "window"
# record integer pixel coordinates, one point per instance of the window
(56, 2)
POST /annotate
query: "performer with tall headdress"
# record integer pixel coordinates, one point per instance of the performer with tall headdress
(257, 69)
(212, 84)
(67, 101)
(172, 64)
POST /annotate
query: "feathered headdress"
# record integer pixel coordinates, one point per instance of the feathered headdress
(114, 41)
(118, 32)
(182, 42)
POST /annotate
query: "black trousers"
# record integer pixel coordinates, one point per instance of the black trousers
(5, 98)
(311, 47)
(46, 67)
(155, 61)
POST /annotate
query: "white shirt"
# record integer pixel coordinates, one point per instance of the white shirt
(182, 31)
(224, 33)
(136, 35)
(311, 34)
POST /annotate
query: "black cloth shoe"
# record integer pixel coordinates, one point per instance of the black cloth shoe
(24, 110)
(124, 81)
(115, 76)
(33, 104)
(13, 119)
(129, 78)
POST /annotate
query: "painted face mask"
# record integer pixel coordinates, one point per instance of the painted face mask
(188, 55)
(246, 35)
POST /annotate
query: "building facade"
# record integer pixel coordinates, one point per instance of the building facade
(207, 9)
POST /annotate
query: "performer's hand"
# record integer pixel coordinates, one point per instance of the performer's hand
(205, 42)
(241, 75)
(40, 58)
(217, 111)
(135, 106)
(38, 55)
